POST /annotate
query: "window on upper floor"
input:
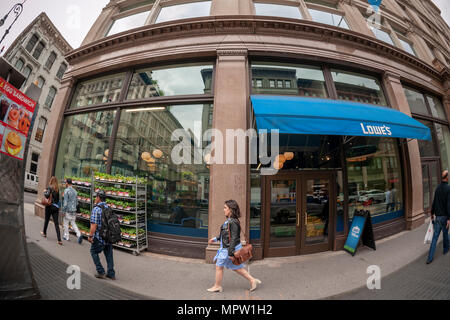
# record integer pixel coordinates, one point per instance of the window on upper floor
(51, 60)
(329, 18)
(38, 50)
(129, 22)
(41, 129)
(407, 46)
(32, 42)
(26, 73)
(19, 64)
(382, 35)
(61, 71)
(277, 10)
(50, 97)
(40, 82)
(184, 11)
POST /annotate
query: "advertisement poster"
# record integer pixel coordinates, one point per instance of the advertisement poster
(16, 112)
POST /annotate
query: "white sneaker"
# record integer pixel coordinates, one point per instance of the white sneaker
(66, 239)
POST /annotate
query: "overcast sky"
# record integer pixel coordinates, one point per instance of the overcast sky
(74, 18)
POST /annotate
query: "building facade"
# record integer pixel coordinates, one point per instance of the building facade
(38, 53)
(149, 68)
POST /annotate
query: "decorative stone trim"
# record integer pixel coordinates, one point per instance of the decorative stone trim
(220, 25)
(232, 52)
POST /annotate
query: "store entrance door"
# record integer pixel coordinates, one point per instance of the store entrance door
(299, 215)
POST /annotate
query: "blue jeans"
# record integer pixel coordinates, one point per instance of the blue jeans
(440, 223)
(96, 248)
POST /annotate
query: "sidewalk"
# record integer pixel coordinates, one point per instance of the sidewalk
(314, 276)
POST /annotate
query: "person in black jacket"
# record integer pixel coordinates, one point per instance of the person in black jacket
(230, 242)
(440, 215)
(53, 209)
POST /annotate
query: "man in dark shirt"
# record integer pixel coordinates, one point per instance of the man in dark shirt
(440, 214)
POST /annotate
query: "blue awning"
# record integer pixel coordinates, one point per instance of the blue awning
(299, 115)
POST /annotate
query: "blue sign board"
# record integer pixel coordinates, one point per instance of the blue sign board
(355, 234)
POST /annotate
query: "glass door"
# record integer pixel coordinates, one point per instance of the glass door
(430, 181)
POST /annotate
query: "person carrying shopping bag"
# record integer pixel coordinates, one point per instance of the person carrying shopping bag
(52, 205)
(229, 244)
(69, 209)
(440, 215)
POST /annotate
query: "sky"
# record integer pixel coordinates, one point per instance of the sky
(74, 18)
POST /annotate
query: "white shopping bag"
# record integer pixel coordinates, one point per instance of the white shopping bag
(429, 234)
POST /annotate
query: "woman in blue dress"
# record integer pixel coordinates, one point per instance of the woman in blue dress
(230, 242)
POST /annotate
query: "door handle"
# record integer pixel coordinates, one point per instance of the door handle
(298, 219)
(306, 218)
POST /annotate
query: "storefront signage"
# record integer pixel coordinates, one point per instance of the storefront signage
(376, 130)
(16, 113)
(361, 227)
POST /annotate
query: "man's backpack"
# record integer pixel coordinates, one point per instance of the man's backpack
(110, 230)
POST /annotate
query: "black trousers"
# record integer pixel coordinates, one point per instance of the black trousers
(52, 211)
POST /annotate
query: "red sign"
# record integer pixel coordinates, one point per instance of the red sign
(16, 112)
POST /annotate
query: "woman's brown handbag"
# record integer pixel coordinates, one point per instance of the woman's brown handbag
(47, 201)
(243, 255)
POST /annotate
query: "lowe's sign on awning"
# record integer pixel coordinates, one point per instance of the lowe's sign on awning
(299, 115)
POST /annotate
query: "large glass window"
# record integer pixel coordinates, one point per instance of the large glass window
(407, 47)
(427, 148)
(374, 178)
(443, 136)
(84, 144)
(255, 205)
(128, 23)
(436, 107)
(307, 81)
(358, 87)
(276, 10)
(178, 194)
(328, 18)
(416, 101)
(171, 81)
(97, 91)
(184, 11)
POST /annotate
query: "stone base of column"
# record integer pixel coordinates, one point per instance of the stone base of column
(39, 210)
(416, 221)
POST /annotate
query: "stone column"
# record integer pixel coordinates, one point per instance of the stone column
(413, 188)
(231, 111)
(51, 140)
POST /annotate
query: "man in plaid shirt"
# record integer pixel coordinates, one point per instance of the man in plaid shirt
(98, 244)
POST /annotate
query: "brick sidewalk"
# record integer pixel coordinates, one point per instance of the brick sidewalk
(51, 277)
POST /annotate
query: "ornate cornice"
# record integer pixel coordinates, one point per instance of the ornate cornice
(232, 52)
(257, 25)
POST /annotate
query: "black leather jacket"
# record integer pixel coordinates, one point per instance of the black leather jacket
(235, 229)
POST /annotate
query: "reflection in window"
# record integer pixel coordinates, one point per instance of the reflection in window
(358, 88)
(443, 136)
(276, 10)
(427, 148)
(328, 18)
(382, 35)
(374, 178)
(178, 194)
(299, 80)
(128, 23)
(416, 101)
(82, 134)
(97, 91)
(437, 109)
(255, 205)
(184, 11)
(178, 80)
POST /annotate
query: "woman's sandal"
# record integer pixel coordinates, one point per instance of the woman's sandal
(255, 284)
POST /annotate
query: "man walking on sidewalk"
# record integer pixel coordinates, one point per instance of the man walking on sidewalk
(99, 244)
(70, 211)
(440, 213)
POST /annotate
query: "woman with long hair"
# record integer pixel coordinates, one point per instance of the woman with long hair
(230, 242)
(53, 209)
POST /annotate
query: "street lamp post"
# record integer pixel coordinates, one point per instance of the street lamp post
(17, 9)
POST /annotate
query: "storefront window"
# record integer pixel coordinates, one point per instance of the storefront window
(358, 87)
(276, 10)
(307, 81)
(84, 145)
(128, 23)
(255, 205)
(416, 101)
(171, 81)
(184, 11)
(328, 18)
(178, 194)
(374, 178)
(97, 91)
(443, 136)
(427, 148)
(437, 109)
